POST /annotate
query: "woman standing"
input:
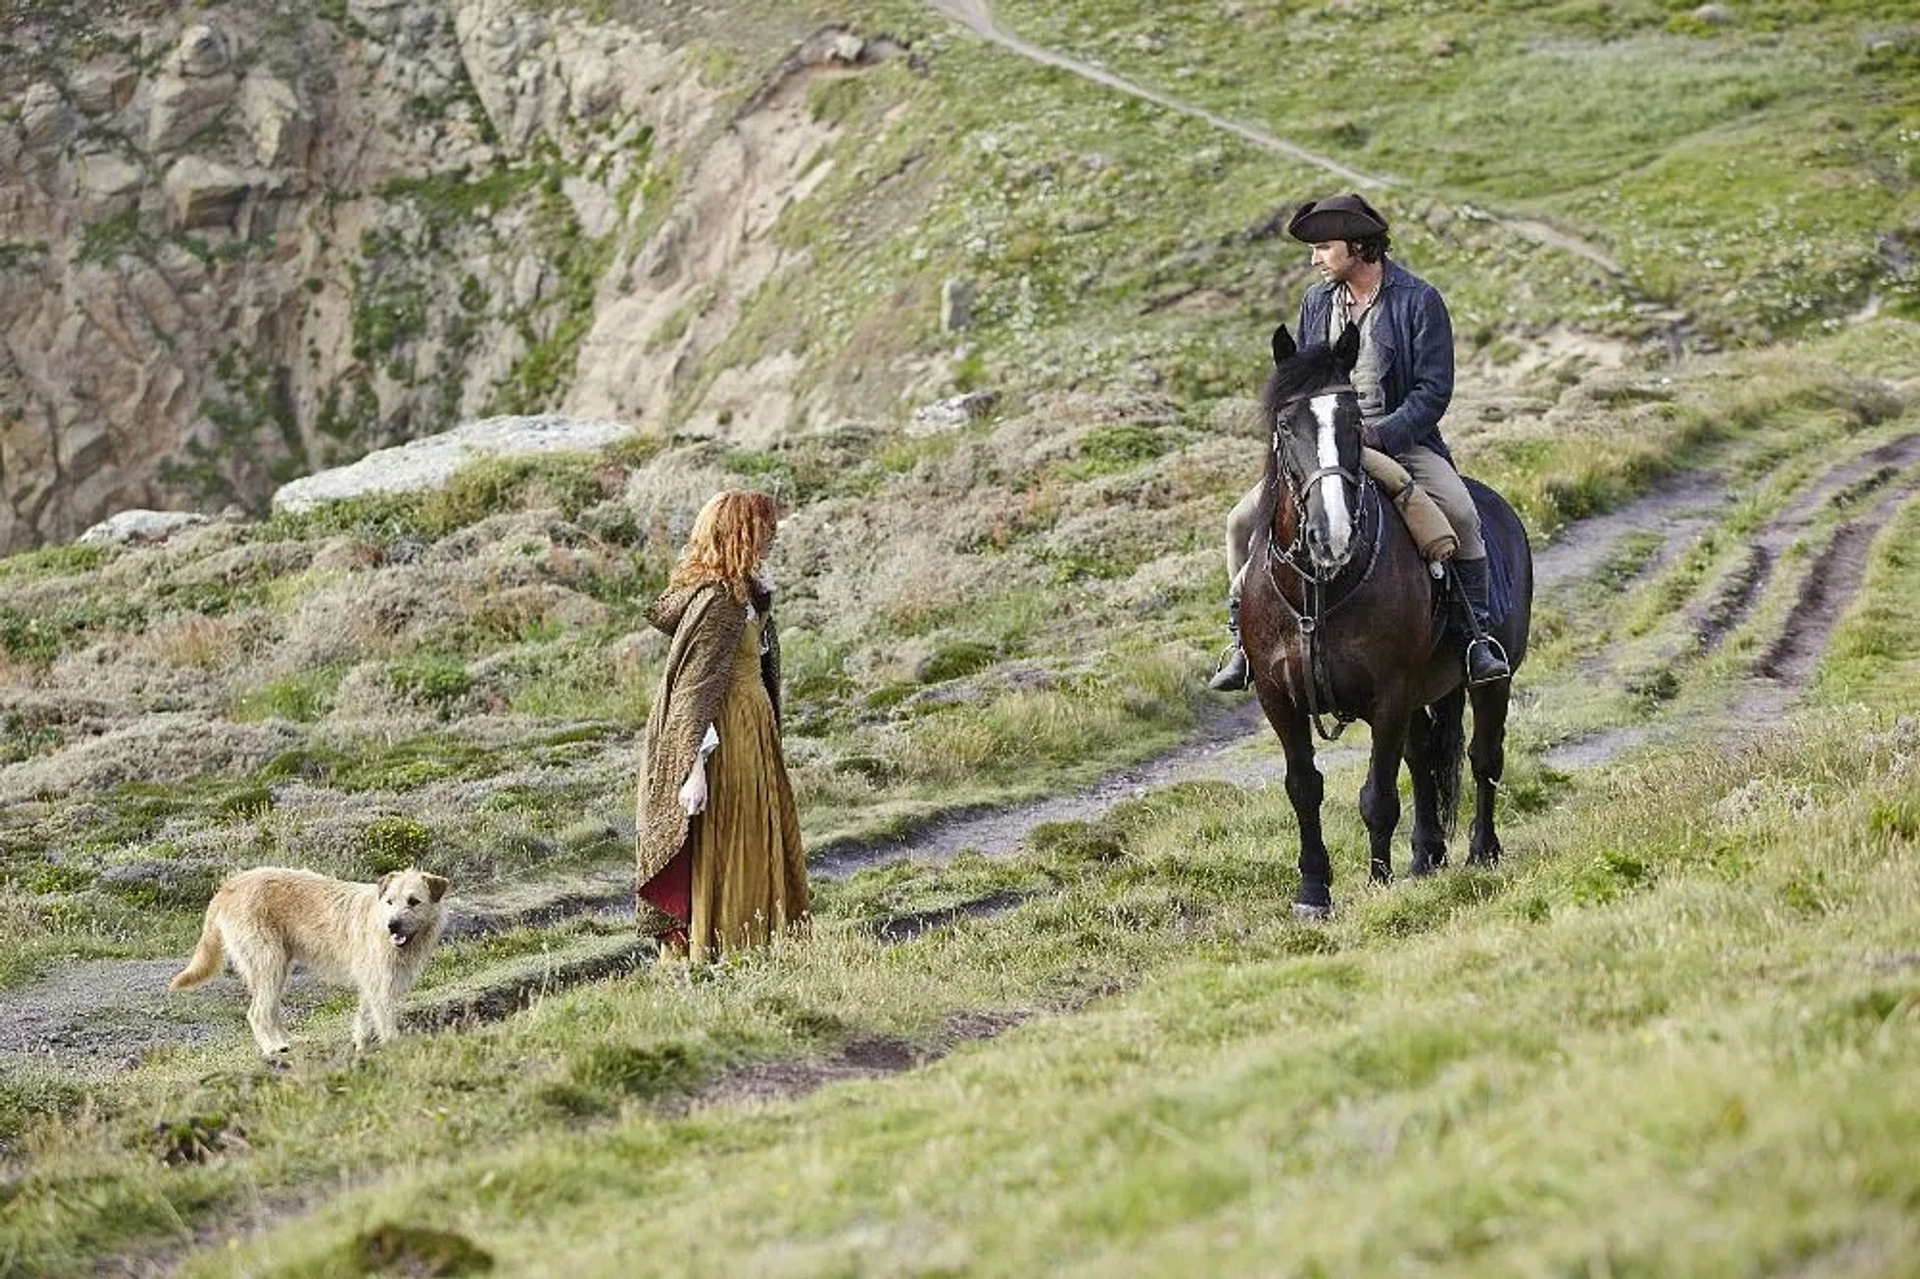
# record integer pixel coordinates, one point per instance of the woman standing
(720, 862)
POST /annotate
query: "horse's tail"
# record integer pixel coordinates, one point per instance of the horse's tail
(1446, 747)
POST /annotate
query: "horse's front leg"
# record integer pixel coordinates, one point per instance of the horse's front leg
(1429, 835)
(1488, 755)
(1306, 787)
(1380, 795)
(1434, 746)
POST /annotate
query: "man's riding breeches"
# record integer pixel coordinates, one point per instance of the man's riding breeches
(1443, 484)
(1243, 521)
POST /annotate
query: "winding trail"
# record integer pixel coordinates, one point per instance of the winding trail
(977, 17)
(1213, 755)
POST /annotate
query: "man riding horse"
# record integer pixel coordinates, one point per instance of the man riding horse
(1404, 380)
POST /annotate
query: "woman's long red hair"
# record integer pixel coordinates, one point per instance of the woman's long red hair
(730, 537)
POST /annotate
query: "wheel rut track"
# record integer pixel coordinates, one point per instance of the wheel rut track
(1689, 504)
(1831, 584)
(1841, 565)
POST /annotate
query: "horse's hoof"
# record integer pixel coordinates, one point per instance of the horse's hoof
(1314, 900)
(1382, 872)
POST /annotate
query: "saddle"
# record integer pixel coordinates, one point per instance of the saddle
(1423, 516)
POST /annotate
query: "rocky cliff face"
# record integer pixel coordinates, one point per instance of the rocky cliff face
(242, 241)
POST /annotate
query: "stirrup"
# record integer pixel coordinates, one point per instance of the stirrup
(1498, 655)
(1233, 675)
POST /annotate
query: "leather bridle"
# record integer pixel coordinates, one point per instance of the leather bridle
(1297, 555)
(1318, 582)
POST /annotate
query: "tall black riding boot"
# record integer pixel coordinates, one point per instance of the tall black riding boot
(1486, 660)
(1232, 675)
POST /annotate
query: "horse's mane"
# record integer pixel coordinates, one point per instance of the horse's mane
(1306, 371)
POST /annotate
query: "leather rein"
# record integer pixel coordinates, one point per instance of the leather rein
(1323, 590)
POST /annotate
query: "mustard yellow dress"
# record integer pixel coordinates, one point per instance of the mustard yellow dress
(749, 870)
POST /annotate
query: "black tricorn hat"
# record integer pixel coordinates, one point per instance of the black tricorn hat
(1338, 217)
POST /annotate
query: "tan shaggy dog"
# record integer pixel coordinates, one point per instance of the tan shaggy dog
(374, 936)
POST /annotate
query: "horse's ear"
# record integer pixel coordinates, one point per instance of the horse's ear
(1283, 347)
(1346, 352)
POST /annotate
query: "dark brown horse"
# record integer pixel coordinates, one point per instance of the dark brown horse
(1341, 619)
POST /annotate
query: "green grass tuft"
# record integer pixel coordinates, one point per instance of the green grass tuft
(395, 843)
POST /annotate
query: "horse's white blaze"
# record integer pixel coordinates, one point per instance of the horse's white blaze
(1333, 493)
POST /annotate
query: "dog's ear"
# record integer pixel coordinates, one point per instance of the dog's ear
(437, 886)
(380, 887)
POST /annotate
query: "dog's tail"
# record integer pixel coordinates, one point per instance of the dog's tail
(205, 962)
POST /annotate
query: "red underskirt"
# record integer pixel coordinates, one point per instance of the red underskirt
(672, 890)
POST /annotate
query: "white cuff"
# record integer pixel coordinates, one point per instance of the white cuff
(708, 745)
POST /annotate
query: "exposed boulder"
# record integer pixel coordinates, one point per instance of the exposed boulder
(103, 88)
(275, 120)
(109, 182)
(426, 464)
(496, 39)
(180, 107)
(956, 305)
(204, 50)
(46, 117)
(202, 193)
(951, 414)
(143, 526)
(194, 90)
(389, 19)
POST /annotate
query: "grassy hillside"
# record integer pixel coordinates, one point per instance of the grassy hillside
(1662, 1045)
(1667, 1036)
(1752, 165)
